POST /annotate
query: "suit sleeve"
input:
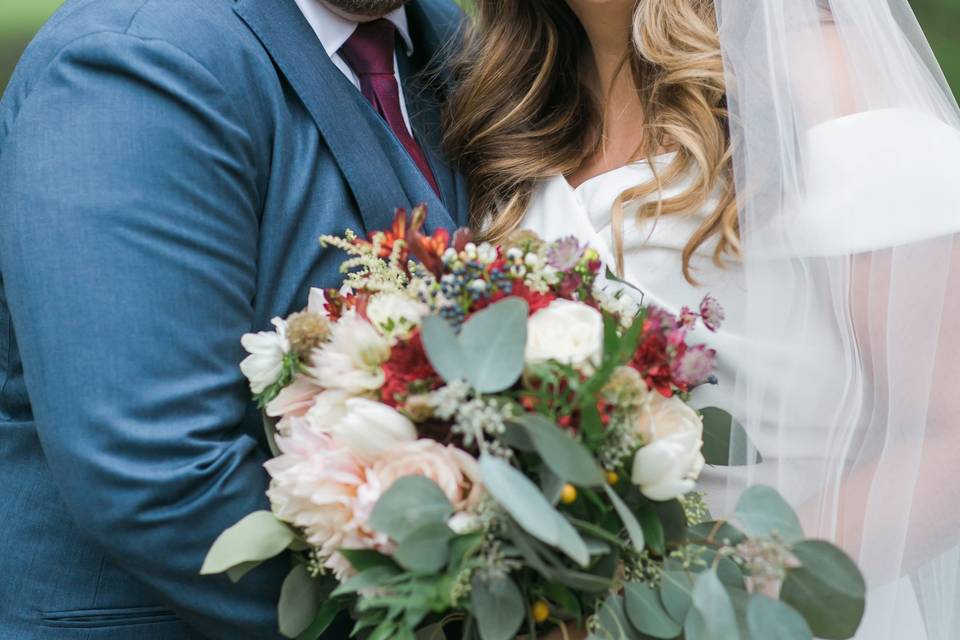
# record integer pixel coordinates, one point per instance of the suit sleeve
(129, 200)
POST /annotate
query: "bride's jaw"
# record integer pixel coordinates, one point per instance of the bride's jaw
(608, 27)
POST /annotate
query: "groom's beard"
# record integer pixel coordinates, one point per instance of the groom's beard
(367, 8)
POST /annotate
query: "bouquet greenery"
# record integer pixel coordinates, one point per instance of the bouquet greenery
(487, 436)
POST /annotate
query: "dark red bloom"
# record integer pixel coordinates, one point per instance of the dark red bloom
(519, 289)
(653, 362)
(408, 365)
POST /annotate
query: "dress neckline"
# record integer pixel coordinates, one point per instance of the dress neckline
(642, 163)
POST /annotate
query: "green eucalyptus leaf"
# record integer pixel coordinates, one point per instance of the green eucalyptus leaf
(299, 602)
(773, 620)
(372, 577)
(530, 509)
(634, 530)
(646, 612)
(614, 624)
(828, 590)
(725, 441)
(493, 342)
(410, 503)
(499, 608)
(443, 349)
(676, 590)
(325, 616)
(761, 512)
(259, 536)
(552, 485)
(563, 455)
(236, 572)
(363, 559)
(426, 549)
(713, 532)
(711, 616)
(652, 530)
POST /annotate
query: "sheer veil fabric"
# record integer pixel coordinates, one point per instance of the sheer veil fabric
(847, 162)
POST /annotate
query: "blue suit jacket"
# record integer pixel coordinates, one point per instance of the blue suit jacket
(166, 168)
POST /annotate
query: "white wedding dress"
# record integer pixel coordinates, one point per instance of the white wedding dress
(653, 263)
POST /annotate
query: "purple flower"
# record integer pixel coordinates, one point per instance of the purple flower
(695, 366)
(687, 318)
(712, 313)
(564, 254)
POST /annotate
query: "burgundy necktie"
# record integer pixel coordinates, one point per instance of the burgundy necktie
(369, 52)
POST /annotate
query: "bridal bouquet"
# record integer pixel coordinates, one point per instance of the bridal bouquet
(483, 436)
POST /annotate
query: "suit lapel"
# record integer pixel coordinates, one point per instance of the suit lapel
(422, 94)
(374, 163)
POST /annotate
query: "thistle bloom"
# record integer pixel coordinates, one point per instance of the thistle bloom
(712, 313)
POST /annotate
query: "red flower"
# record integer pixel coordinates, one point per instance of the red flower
(408, 365)
(388, 239)
(535, 300)
(429, 249)
(653, 363)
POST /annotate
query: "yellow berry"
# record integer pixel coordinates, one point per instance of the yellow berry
(569, 494)
(612, 477)
(540, 611)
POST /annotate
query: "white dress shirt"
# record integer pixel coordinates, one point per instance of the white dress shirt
(334, 30)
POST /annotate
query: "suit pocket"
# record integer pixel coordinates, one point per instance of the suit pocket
(106, 618)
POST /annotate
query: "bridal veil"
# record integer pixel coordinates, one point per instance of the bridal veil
(846, 142)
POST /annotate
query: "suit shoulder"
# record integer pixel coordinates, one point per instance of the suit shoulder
(207, 30)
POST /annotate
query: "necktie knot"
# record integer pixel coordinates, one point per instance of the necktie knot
(370, 49)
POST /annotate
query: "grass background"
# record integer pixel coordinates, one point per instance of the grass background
(19, 20)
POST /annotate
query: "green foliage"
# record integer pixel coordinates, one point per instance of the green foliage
(489, 351)
(257, 537)
(725, 440)
(300, 596)
(527, 505)
(565, 457)
(412, 502)
(762, 512)
(827, 589)
(498, 607)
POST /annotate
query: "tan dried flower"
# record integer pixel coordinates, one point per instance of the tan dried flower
(306, 331)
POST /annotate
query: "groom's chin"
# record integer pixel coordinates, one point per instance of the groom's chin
(364, 8)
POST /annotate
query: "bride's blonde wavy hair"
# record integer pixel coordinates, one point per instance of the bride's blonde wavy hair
(521, 111)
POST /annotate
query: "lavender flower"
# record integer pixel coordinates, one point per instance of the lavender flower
(695, 366)
(565, 254)
(712, 313)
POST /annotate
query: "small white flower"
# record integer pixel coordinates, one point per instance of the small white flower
(486, 253)
(369, 428)
(566, 332)
(395, 314)
(470, 250)
(532, 260)
(267, 349)
(450, 255)
(464, 522)
(514, 254)
(479, 285)
(351, 359)
(669, 463)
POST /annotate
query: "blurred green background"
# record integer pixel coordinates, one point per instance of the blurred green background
(19, 20)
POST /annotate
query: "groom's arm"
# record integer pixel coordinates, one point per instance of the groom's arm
(130, 186)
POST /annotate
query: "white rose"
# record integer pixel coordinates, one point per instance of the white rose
(568, 332)
(394, 313)
(267, 349)
(351, 359)
(370, 428)
(670, 462)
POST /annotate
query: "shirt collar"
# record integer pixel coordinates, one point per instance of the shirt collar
(334, 30)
